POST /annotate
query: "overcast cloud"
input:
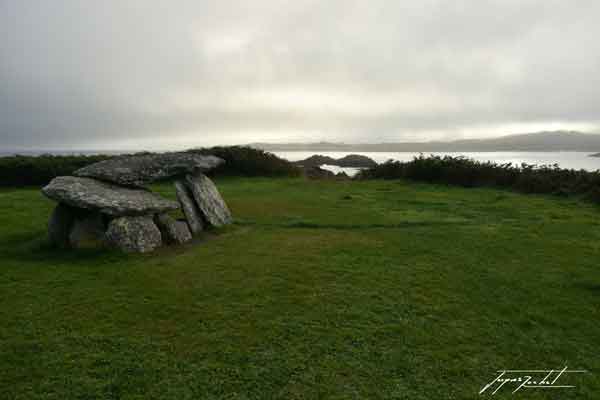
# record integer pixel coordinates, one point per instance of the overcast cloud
(176, 74)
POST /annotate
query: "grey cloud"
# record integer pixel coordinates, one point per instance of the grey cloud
(111, 73)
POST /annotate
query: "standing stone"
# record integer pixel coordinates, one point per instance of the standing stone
(209, 200)
(133, 234)
(60, 224)
(172, 231)
(190, 210)
(105, 197)
(87, 232)
(140, 169)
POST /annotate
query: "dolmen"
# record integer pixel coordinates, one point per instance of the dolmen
(107, 203)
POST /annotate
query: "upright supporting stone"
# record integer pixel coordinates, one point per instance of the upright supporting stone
(209, 200)
(133, 234)
(88, 232)
(60, 224)
(172, 231)
(190, 210)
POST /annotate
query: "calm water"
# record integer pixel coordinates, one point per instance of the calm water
(566, 159)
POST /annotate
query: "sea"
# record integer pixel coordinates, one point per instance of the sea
(564, 159)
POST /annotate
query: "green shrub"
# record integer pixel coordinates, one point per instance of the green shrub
(39, 170)
(247, 161)
(462, 171)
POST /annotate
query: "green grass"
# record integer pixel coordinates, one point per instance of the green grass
(338, 290)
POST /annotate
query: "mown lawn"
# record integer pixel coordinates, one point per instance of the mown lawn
(337, 290)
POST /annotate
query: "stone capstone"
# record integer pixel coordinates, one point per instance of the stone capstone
(133, 234)
(141, 169)
(172, 231)
(105, 197)
(208, 199)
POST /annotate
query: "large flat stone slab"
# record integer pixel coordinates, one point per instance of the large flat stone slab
(105, 197)
(142, 169)
(208, 199)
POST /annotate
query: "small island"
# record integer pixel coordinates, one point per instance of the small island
(595, 155)
(349, 161)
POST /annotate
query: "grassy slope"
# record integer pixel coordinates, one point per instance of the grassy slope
(320, 290)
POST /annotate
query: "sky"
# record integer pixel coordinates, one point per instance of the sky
(149, 75)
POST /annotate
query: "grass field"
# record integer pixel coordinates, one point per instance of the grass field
(337, 290)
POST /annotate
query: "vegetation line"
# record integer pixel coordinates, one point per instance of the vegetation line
(20, 171)
(462, 171)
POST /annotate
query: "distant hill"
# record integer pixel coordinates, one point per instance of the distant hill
(539, 141)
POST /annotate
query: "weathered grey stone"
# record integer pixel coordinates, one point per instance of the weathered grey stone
(139, 170)
(189, 207)
(60, 224)
(133, 234)
(87, 232)
(172, 231)
(183, 231)
(105, 197)
(208, 199)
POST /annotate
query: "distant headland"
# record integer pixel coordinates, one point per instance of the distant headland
(539, 141)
